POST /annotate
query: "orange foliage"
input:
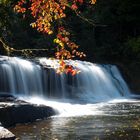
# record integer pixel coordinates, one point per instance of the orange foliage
(93, 1)
(45, 14)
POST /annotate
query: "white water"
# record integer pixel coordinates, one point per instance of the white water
(95, 82)
(68, 109)
(20, 76)
(72, 96)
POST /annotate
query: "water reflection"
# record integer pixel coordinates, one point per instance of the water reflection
(119, 121)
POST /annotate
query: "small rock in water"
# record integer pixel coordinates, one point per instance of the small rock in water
(6, 134)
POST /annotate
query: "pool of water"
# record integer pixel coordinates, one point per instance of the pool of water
(114, 120)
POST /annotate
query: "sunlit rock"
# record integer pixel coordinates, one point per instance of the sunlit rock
(5, 134)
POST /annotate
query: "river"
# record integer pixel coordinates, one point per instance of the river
(113, 120)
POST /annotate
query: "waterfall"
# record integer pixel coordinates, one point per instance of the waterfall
(19, 76)
(95, 82)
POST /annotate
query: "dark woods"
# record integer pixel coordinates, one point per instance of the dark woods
(114, 34)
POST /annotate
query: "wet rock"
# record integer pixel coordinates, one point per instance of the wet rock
(4, 97)
(131, 74)
(15, 111)
(5, 134)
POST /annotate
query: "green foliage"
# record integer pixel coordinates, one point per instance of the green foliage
(134, 44)
(116, 23)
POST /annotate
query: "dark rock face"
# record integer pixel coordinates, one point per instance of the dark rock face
(13, 111)
(6, 134)
(5, 97)
(131, 73)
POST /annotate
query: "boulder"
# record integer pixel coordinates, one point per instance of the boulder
(14, 111)
(5, 134)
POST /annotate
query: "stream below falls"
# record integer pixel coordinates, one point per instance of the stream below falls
(112, 120)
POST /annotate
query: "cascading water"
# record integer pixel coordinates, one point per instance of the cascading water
(95, 83)
(19, 76)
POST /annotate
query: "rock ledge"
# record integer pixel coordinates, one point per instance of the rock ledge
(14, 111)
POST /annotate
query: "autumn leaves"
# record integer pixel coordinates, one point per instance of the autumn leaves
(49, 14)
